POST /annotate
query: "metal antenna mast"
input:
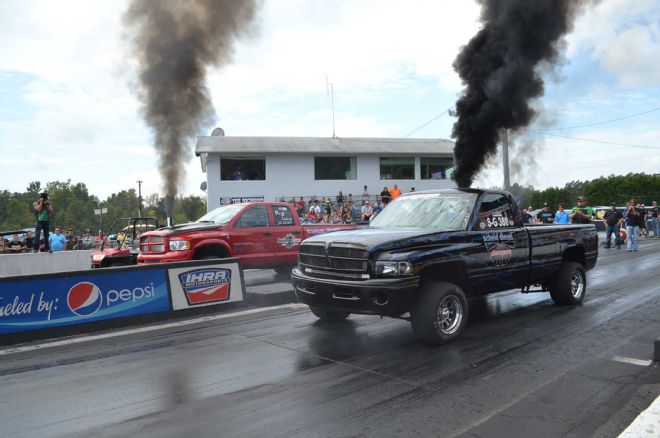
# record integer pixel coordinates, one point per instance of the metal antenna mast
(331, 91)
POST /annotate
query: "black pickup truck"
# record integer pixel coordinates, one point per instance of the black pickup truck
(428, 252)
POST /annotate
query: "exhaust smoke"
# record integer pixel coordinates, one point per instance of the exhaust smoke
(175, 42)
(500, 69)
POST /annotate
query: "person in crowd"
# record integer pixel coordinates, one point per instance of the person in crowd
(655, 223)
(339, 198)
(336, 217)
(377, 209)
(385, 196)
(582, 213)
(524, 216)
(87, 240)
(347, 213)
(365, 195)
(56, 241)
(327, 211)
(395, 192)
(238, 174)
(613, 219)
(412, 189)
(530, 214)
(71, 241)
(561, 216)
(316, 208)
(300, 207)
(44, 211)
(366, 212)
(633, 217)
(545, 216)
(642, 223)
(3, 245)
(349, 200)
(15, 245)
(29, 242)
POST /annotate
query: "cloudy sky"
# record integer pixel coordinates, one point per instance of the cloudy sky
(67, 110)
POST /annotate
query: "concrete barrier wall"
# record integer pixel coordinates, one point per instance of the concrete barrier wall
(44, 263)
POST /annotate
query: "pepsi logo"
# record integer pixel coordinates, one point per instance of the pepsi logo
(84, 298)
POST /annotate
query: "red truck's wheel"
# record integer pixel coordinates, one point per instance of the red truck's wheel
(328, 314)
(440, 314)
(570, 284)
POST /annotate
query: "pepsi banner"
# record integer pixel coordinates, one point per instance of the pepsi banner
(205, 285)
(31, 303)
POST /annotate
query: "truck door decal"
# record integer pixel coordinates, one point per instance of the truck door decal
(500, 246)
(289, 241)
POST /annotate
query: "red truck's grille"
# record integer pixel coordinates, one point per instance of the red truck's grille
(340, 258)
(152, 244)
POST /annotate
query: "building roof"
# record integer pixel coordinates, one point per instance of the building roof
(322, 145)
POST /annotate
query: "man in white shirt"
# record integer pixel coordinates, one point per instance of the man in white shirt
(367, 211)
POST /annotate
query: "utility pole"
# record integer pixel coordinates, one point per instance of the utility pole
(505, 159)
(139, 198)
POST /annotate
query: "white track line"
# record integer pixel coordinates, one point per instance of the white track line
(151, 328)
(632, 361)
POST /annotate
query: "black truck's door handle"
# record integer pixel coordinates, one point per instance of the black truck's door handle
(267, 233)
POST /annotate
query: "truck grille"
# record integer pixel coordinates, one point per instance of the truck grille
(152, 244)
(340, 257)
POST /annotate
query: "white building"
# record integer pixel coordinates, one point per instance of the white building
(269, 168)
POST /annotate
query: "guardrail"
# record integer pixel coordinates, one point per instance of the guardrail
(45, 263)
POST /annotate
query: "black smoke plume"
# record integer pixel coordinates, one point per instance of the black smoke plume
(175, 43)
(499, 68)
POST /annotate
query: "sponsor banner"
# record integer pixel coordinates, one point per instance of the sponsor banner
(31, 304)
(205, 285)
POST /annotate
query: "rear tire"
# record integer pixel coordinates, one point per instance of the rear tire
(570, 285)
(328, 314)
(440, 314)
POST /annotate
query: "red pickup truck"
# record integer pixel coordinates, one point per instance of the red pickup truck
(260, 234)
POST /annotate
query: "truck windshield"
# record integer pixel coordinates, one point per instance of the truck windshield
(221, 215)
(427, 210)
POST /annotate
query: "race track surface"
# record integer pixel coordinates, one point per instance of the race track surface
(523, 367)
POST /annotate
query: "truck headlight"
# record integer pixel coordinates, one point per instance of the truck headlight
(179, 245)
(98, 257)
(393, 268)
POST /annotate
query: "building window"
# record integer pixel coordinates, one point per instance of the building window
(397, 168)
(335, 168)
(242, 169)
(436, 167)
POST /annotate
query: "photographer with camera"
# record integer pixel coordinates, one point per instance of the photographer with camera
(634, 217)
(44, 211)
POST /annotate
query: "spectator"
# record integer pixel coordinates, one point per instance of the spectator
(238, 174)
(29, 242)
(300, 207)
(633, 217)
(642, 222)
(395, 192)
(613, 219)
(44, 211)
(327, 211)
(316, 208)
(87, 241)
(377, 209)
(524, 216)
(582, 214)
(340, 198)
(15, 246)
(347, 213)
(56, 241)
(71, 241)
(545, 216)
(365, 195)
(385, 196)
(530, 214)
(366, 212)
(412, 189)
(3, 245)
(655, 223)
(561, 217)
(311, 217)
(335, 218)
(350, 199)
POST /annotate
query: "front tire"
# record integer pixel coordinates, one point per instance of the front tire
(440, 314)
(328, 314)
(570, 285)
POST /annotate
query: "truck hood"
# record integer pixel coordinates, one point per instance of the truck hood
(381, 239)
(184, 228)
